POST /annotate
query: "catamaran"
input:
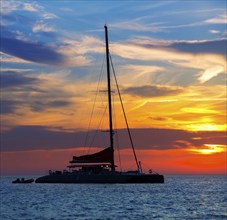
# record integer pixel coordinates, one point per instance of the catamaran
(100, 167)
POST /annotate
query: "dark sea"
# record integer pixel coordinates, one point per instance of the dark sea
(181, 197)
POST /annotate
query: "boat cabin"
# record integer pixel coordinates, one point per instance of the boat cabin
(91, 168)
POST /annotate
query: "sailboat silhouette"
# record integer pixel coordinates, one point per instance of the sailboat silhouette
(100, 167)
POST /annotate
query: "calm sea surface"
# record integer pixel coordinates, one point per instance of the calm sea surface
(181, 197)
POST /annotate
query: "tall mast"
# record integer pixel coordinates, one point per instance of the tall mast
(109, 99)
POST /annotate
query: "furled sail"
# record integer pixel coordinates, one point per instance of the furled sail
(104, 156)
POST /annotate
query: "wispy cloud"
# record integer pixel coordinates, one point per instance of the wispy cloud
(47, 15)
(134, 25)
(8, 6)
(141, 74)
(214, 31)
(5, 58)
(31, 7)
(207, 59)
(143, 23)
(220, 19)
(78, 51)
(41, 26)
(211, 72)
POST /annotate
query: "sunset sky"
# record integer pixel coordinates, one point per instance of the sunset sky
(170, 61)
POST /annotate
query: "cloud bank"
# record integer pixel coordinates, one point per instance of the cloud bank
(22, 138)
(152, 91)
(31, 51)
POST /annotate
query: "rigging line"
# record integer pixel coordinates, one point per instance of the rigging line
(98, 127)
(126, 121)
(116, 134)
(118, 150)
(93, 107)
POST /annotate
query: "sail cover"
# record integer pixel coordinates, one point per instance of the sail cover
(104, 156)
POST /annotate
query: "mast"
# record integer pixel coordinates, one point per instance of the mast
(109, 99)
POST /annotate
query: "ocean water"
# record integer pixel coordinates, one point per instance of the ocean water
(181, 197)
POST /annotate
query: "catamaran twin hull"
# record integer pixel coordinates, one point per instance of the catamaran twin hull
(101, 178)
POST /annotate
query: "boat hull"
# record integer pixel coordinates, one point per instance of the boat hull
(23, 181)
(101, 178)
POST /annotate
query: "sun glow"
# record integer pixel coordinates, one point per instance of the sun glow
(207, 127)
(210, 149)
